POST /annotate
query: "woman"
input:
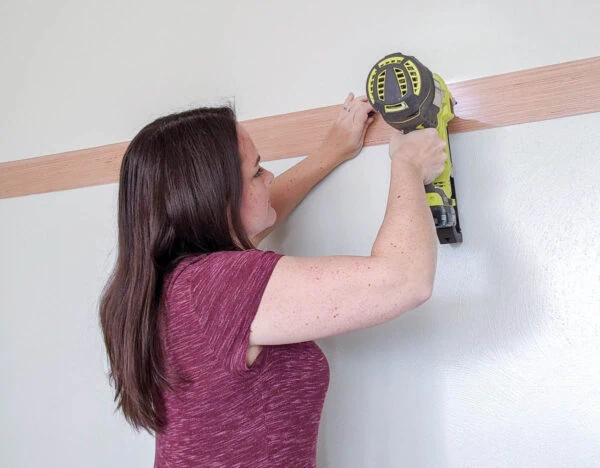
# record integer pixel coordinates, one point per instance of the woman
(210, 340)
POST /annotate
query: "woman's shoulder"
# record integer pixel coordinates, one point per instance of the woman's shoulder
(221, 262)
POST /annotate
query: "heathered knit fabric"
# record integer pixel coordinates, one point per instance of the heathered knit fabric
(229, 415)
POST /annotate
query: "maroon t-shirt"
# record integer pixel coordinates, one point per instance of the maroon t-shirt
(222, 413)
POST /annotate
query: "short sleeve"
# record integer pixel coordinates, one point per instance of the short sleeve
(225, 291)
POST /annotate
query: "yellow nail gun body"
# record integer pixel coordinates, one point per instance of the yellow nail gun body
(409, 97)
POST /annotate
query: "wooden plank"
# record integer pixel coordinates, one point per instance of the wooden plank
(536, 94)
(62, 171)
(542, 93)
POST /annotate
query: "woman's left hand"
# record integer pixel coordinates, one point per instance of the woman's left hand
(346, 136)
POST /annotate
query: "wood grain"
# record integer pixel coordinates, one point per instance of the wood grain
(543, 93)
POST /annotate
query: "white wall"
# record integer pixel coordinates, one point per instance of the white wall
(499, 369)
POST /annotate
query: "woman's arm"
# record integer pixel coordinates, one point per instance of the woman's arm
(290, 187)
(343, 141)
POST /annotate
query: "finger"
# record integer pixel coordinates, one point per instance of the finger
(364, 132)
(365, 110)
(366, 105)
(365, 99)
(348, 99)
(346, 109)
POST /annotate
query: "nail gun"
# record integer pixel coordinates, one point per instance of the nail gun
(409, 97)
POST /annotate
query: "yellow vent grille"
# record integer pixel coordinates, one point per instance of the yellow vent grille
(400, 76)
(414, 76)
(390, 60)
(381, 86)
(371, 83)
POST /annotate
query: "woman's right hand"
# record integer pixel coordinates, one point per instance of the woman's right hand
(423, 149)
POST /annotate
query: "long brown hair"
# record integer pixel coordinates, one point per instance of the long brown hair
(177, 177)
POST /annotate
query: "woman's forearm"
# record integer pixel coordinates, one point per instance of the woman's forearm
(290, 187)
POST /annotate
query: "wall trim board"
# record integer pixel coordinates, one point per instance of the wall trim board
(542, 93)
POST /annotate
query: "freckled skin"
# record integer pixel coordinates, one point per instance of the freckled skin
(257, 212)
